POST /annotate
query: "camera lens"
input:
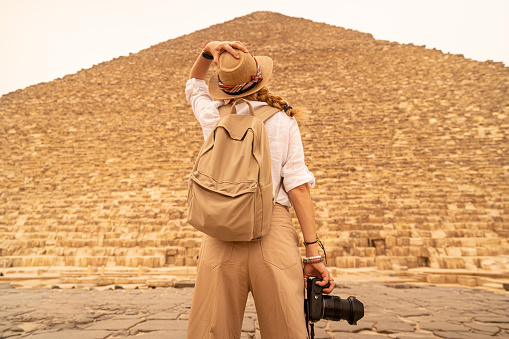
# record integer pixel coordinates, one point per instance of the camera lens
(335, 308)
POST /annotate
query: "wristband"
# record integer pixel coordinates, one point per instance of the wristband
(319, 244)
(312, 260)
(310, 243)
(206, 55)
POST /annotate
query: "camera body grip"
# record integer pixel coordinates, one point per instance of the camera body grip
(318, 306)
(315, 300)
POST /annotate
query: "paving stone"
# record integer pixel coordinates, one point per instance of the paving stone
(321, 324)
(11, 334)
(489, 329)
(414, 312)
(248, 325)
(461, 335)
(159, 335)
(114, 325)
(393, 327)
(164, 316)
(443, 327)
(320, 333)
(423, 319)
(359, 336)
(184, 316)
(39, 320)
(343, 326)
(504, 326)
(411, 335)
(492, 319)
(162, 325)
(69, 334)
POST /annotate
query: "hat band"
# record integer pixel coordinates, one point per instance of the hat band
(242, 88)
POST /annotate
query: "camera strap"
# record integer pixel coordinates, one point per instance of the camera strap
(312, 335)
(310, 327)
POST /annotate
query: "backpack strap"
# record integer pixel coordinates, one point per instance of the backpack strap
(262, 113)
(225, 110)
(265, 112)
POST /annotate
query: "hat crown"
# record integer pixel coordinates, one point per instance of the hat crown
(233, 71)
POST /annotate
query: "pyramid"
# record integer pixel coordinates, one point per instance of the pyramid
(408, 145)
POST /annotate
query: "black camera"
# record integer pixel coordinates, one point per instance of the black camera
(318, 306)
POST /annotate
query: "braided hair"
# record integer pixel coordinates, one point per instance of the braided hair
(275, 101)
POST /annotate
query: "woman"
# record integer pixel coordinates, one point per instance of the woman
(271, 268)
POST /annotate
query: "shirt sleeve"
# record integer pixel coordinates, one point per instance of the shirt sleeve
(204, 107)
(295, 171)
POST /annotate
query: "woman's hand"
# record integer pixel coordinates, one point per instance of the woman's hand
(215, 48)
(319, 271)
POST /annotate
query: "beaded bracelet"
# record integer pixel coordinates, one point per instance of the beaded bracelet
(312, 260)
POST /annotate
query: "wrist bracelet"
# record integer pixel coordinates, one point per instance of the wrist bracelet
(310, 243)
(316, 261)
(206, 55)
(312, 260)
(315, 257)
(319, 244)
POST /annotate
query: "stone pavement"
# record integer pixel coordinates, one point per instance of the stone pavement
(391, 311)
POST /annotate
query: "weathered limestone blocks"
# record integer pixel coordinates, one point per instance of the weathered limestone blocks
(408, 146)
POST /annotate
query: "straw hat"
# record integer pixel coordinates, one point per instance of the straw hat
(240, 77)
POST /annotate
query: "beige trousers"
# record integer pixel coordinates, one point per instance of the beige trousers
(270, 269)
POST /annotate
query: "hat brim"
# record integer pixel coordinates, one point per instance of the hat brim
(265, 63)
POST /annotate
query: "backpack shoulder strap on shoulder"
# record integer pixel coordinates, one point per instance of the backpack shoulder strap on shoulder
(265, 112)
(225, 110)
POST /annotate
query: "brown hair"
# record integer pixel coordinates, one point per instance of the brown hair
(276, 101)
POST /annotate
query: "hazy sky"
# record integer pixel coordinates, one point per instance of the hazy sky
(41, 40)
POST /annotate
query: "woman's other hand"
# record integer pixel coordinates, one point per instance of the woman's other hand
(215, 48)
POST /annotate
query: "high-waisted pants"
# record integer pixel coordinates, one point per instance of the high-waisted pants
(269, 268)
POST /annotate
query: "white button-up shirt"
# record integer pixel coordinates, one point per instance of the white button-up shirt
(286, 151)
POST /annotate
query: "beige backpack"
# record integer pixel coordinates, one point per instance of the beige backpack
(230, 187)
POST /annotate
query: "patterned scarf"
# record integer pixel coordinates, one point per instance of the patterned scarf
(242, 88)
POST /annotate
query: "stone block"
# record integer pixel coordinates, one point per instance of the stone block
(401, 251)
(160, 283)
(468, 242)
(416, 242)
(453, 263)
(453, 251)
(383, 263)
(346, 262)
(359, 251)
(438, 234)
(403, 241)
(370, 251)
(436, 279)
(360, 242)
(467, 280)
(390, 241)
(468, 252)
(415, 251)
